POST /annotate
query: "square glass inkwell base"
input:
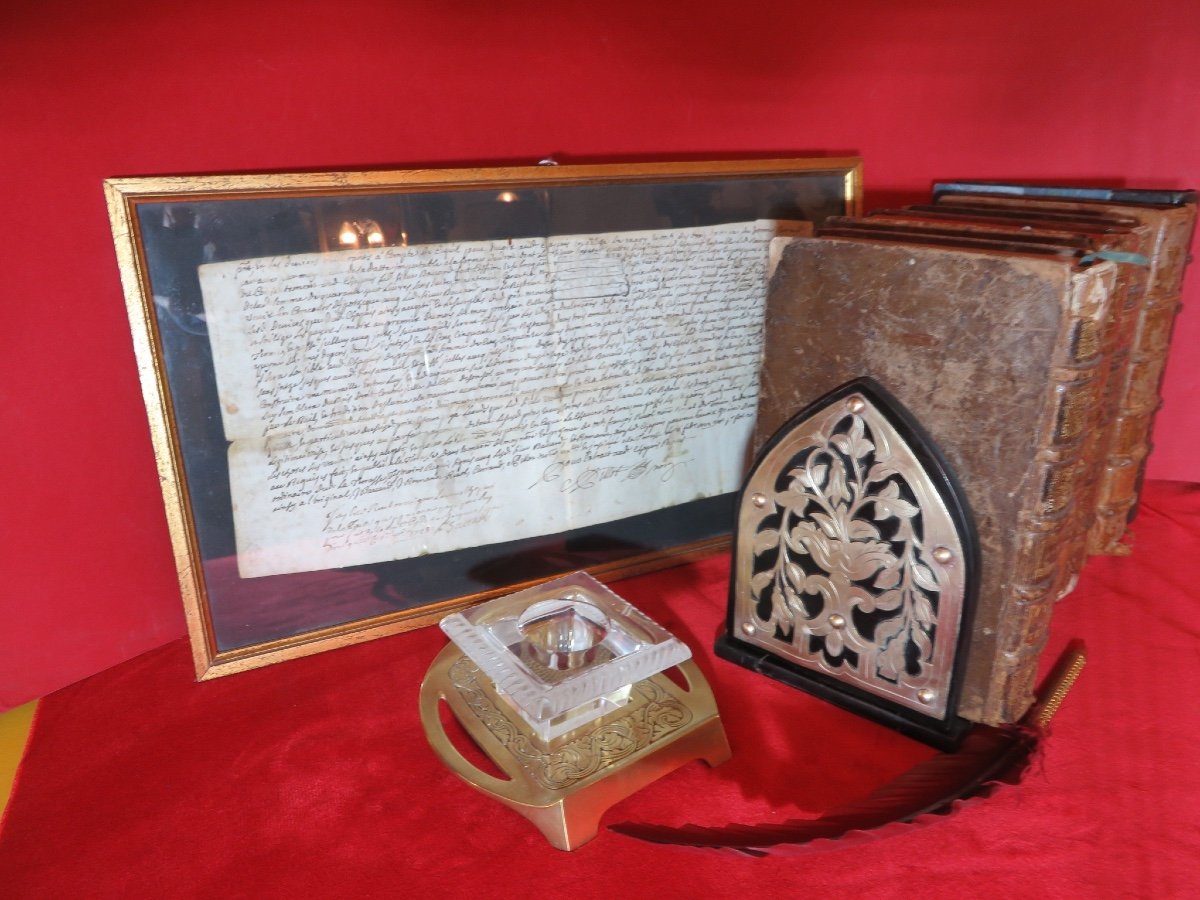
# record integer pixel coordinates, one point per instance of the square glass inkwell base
(562, 686)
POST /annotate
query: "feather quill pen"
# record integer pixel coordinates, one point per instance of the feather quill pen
(987, 758)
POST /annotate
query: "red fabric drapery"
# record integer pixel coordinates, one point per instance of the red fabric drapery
(313, 777)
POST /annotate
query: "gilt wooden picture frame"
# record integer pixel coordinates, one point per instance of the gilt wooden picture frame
(379, 396)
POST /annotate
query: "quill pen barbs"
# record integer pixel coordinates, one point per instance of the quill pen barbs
(989, 756)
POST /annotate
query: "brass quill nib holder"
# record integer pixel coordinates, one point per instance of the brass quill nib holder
(563, 686)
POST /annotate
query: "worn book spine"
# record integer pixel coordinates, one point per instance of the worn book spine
(1140, 392)
(1128, 297)
(1053, 524)
(1168, 224)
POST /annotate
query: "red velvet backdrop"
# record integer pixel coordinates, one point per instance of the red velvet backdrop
(1092, 91)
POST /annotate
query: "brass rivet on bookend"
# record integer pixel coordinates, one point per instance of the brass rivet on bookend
(855, 449)
(926, 695)
(748, 628)
(759, 500)
(943, 554)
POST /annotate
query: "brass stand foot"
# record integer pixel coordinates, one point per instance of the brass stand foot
(565, 787)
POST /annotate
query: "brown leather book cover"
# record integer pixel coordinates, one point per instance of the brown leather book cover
(998, 211)
(1012, 232)
(1166, 235)
(985, 348)
(1076, 246)
(1095, 235)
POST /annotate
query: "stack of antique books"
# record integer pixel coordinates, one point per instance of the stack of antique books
(1027, 329)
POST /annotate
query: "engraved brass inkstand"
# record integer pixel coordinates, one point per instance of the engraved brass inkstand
(563, 686)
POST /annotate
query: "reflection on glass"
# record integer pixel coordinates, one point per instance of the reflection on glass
(180, 237)
(353, 234)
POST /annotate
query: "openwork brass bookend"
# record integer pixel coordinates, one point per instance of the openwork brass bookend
(855, 562)
(563, 686)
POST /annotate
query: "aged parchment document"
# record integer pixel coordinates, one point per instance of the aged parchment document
(383, 404)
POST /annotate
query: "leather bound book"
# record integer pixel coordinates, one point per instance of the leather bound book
(1168, 220)
(989, 350)
(1014, 233)
(997, 211)
(1140, 196)
(1095, 235)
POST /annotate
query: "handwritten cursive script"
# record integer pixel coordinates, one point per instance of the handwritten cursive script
(392, 402)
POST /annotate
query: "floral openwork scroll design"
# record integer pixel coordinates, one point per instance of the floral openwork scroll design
(842, 570)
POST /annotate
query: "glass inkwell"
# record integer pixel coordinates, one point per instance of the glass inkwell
(568, 670)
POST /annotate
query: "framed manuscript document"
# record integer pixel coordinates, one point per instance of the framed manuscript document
(379, 396)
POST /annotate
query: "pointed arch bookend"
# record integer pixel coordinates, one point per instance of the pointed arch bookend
(855, 565)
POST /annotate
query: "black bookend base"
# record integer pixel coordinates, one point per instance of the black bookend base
(944, 735)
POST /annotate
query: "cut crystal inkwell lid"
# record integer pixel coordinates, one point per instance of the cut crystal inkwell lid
(565, 652)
